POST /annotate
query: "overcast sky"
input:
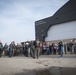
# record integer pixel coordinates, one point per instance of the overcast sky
(17, 17)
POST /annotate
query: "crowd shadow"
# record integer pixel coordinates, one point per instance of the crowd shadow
(50, 71)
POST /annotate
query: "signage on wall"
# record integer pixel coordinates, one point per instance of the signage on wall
(40, 22)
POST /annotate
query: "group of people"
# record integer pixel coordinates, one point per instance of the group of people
(37, 48)
(60, 48)
(27, 49)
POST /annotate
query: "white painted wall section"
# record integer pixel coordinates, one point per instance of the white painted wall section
(62, 31)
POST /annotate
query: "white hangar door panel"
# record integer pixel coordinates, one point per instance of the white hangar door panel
(62, 31)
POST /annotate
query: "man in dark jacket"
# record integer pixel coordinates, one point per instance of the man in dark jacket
(60, 47)
(1, 47)
(26, 49)
(34, 49)
(10, 50)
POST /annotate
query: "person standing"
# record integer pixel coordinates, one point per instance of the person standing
(1, 47)
(17, 52)
(75, 47)
(26, 49)
(31, 49)
(10, 50)
(13, 48)
(34, 49)
(44, 48)
(71, 46)
(55, 48)
(60, 47)
(52, 48)
(21, 50)
(48, 48)
(65, 48)
(5, 49)
(37, 48)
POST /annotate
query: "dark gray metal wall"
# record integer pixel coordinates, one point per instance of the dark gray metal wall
(64, 14)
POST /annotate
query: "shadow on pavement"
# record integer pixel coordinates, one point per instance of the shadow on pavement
(50, 71)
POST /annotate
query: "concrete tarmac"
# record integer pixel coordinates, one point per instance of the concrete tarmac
(45, 65)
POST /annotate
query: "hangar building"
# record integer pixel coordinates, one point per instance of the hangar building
(60, 26)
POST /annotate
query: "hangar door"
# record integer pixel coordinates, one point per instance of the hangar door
(62, 31)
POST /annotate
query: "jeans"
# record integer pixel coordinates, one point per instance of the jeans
(61, 53)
